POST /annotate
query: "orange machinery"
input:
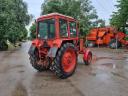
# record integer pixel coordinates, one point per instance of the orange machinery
(100, 36)
(119, 40)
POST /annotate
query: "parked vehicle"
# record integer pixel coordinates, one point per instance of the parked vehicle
(58, 45)
(100, 36)
(108, 36)
(118, 40)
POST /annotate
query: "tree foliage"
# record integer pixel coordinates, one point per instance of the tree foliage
(120, 18)
(81, 10)
(33, 31)
(101, 23)
(13, 19)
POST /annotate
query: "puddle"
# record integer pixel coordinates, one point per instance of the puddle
(17, 66)
(112, 58)
(19, 90)
(100, 58)
(119, 75)
(21, 71)
(92, 74)
(110, 65)
(126, 51)
(7, 68)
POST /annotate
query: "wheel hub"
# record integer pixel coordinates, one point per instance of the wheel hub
(69, 60)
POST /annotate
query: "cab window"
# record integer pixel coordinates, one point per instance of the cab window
(63, 28)
(47, 29)
(73, 32)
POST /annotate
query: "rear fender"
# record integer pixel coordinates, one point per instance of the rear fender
(35, 45)
(57, 43)
(53, 50)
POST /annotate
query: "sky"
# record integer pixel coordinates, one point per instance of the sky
(104, 8)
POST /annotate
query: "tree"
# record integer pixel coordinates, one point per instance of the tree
(81, 10)
(33, 31)
(13, 19)
(101, 23)
(120, 18)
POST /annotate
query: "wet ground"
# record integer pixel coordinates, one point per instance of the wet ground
(107, 76)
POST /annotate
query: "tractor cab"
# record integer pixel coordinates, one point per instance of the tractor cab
(57, 45)
(53, 26)
(56, 28)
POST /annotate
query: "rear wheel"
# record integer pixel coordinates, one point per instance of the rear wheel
(37, 64)
(65, 61)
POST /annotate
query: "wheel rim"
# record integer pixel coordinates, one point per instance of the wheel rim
(69, 60)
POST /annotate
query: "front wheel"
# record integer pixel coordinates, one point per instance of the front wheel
(88, 59)
(65, 61)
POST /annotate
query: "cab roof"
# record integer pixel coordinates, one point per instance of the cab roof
(55, 14)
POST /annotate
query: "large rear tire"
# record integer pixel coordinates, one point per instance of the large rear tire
(34, 60)
(65, 62)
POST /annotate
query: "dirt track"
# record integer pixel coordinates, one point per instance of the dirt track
(107, 76)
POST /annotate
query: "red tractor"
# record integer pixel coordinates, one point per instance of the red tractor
(58, 45)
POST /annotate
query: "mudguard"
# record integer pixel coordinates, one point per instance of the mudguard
(52, 52)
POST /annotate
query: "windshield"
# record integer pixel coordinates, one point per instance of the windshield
(46, 29)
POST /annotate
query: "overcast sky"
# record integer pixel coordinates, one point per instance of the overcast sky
(104, 7)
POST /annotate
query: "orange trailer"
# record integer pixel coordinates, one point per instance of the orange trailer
(106, 36)
(100, 36)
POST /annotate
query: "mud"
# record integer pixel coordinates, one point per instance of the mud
(106, 76)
